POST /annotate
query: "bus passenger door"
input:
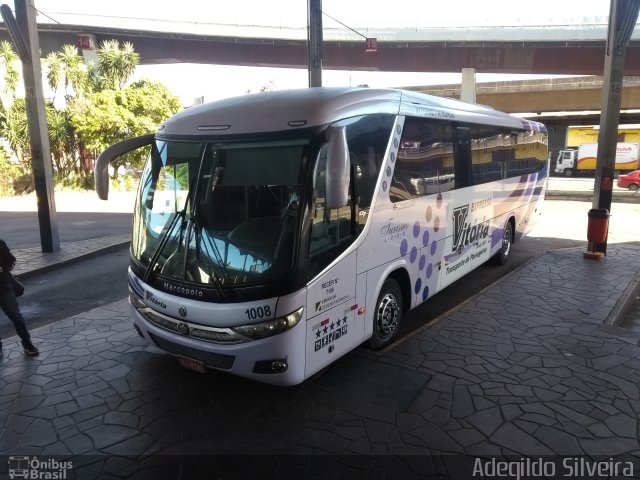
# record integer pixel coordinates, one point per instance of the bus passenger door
(332, 327)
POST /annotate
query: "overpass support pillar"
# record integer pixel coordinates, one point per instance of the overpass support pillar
(314, 44)
(468, 86)
(37, 125)
(622, 19)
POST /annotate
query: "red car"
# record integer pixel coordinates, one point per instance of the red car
(630, 180)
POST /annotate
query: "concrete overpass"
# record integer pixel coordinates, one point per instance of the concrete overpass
(556, 102)
(565, 46)
(569, 49)
(560, 48)
(574, 100)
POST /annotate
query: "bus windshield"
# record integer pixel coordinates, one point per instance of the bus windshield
(219, 214)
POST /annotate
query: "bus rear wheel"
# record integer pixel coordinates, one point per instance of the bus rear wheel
(387, 315)
(502, 257)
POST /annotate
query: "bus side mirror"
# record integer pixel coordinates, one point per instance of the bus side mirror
(101, 171)
(338, 168)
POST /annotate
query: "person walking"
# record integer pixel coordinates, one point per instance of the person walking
(9, 302)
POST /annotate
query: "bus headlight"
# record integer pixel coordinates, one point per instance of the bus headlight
(256, 331)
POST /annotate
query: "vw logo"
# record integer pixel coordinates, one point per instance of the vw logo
(182, 311)
(183, 329)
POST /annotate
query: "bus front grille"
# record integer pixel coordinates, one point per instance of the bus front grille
(215, 360)
(200, 332)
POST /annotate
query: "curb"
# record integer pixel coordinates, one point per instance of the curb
(617, 197)
(624, 302)
(69, 261)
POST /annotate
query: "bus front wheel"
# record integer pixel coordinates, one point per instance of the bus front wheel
(387, 315)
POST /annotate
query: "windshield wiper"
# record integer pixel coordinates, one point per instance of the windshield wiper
(211, 268)
(163, 242)
(217, 280)
(167, 233)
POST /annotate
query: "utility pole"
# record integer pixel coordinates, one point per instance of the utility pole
(38, 132)
(622, 19)
(314, 42)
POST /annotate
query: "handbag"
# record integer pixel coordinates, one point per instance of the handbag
(16, 284)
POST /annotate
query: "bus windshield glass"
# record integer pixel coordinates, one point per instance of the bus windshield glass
(219, 213)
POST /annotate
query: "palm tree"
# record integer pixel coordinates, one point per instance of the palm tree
(8, 57)
(76, 74)
(16, 130)
(116, 64)
(13, 115)
(54, 74)
(61, 140)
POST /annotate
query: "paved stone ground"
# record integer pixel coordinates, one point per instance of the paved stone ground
(527, 368)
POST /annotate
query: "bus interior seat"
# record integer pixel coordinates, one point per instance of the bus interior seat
(265, 201)
(223, 209)
(257, 237)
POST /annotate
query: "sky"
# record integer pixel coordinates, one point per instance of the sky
(288, 19)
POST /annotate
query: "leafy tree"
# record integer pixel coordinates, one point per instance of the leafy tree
(98, 111)
(106, 117)
(152, 100)
(10, 171)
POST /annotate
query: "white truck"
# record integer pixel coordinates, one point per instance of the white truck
(583, 160)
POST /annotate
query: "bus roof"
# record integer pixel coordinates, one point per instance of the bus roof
(311, 107)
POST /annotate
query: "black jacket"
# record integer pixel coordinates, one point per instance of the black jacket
(7, 260)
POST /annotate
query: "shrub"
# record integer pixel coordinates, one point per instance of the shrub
(10, 172)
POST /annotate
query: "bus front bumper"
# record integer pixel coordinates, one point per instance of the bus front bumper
(277, 360)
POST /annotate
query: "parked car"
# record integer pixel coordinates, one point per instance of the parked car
(630, 180)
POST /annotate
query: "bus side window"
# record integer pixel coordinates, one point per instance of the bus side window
(368, 138)
(490, 150)
(462, 155)
(332, 231)
(499, 153)
(424, 164)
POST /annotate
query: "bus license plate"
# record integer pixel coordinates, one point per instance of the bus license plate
(191, 364)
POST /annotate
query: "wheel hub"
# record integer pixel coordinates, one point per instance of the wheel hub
(387, 315)
(506, 241)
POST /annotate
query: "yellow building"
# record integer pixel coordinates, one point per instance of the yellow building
(577, 136)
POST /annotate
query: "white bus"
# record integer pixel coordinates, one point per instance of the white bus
(275, 232)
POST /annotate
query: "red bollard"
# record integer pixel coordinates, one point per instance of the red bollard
(597, 230)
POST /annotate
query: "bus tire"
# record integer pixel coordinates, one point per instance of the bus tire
(502, 257)
(387, 315)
